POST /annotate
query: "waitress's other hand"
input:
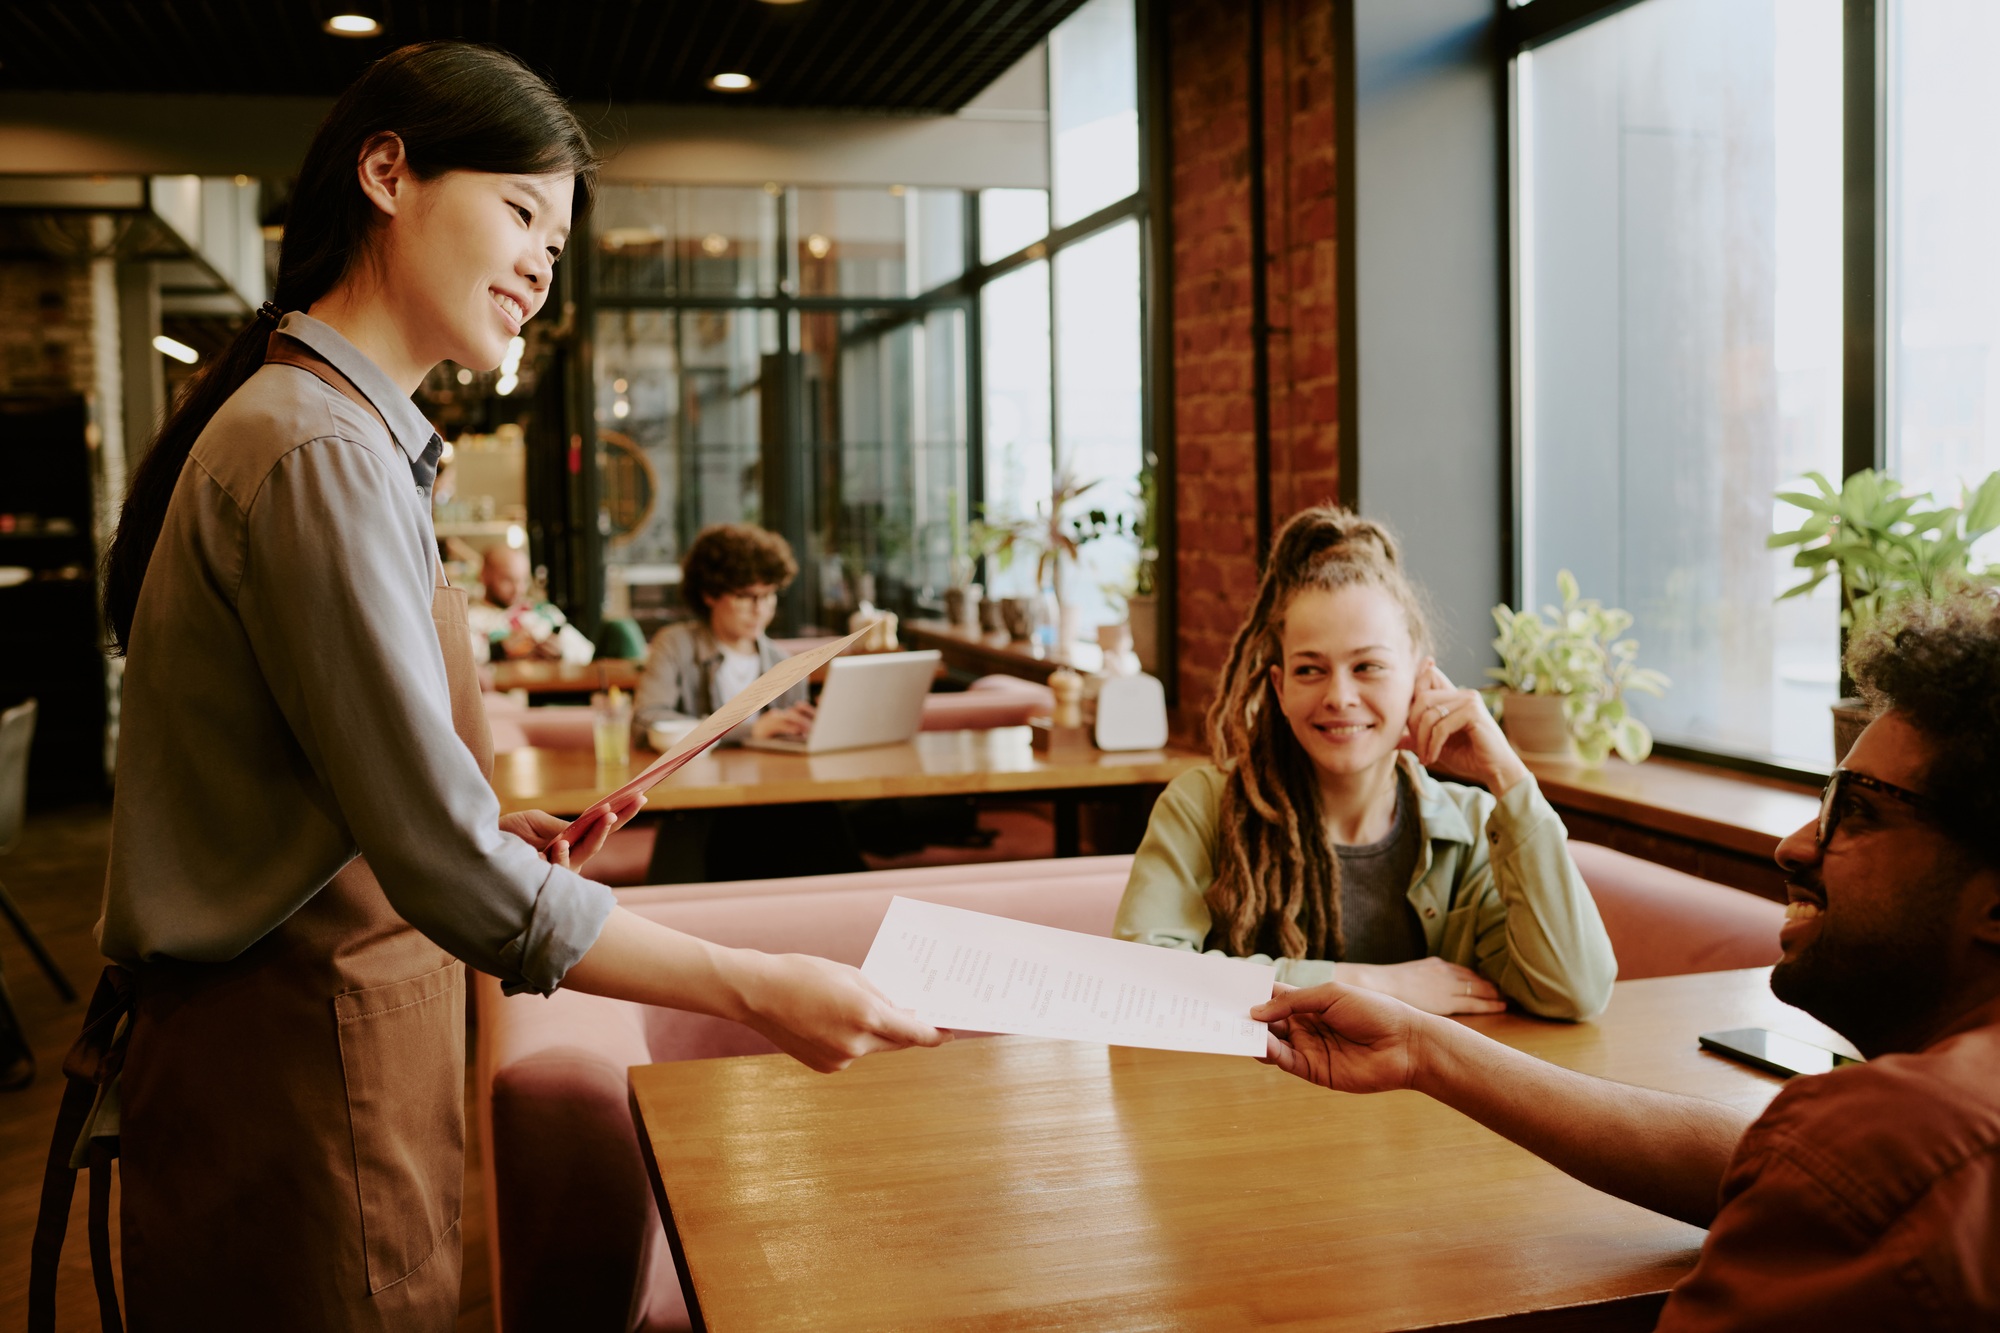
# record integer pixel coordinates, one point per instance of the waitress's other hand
(1451, 730)
(824, 1014)
(1429, 984)
(538, 827)
(778, 722)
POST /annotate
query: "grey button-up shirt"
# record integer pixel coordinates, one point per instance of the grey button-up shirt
(680, 679)
(285, 700)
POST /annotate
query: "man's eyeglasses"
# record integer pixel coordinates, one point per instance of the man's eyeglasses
(754, 596)
(1832, 806)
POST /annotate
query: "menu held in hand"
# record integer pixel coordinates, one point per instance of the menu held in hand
(979, 973)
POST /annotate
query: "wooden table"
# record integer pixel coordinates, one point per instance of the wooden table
(1012, 1183)
(980, 654)
(1708, 821)
(936, 763)
(560, 678)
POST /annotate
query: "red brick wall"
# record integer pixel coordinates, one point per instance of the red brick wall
(1214, 444)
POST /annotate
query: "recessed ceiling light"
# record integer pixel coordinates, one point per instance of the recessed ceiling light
(731, 83)
(353, 25)
(784, 2)
(176, 349)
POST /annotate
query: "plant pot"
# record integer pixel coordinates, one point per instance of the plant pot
(1850, 716)
(1143, 614)
(961, 605)
(1016, 618)
(1537, 728)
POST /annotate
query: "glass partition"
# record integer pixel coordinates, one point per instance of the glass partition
(683, 240)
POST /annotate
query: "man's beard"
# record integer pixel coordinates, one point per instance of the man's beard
(1874, 990)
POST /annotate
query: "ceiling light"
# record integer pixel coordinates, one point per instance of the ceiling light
(464, 375)
(353, 25)
(516, 537)
(818, 245)
(618, 386)
(176, 349)
(715, 243)
(621, 409)
(783, 2)
(505, 385)
(731, 83)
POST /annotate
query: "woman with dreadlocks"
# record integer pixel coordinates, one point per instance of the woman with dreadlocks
(1319, 840)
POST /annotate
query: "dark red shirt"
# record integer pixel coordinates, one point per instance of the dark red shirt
(1864, 1198)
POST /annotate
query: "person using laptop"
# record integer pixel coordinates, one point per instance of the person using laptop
(1868, 1197)
(730, 577)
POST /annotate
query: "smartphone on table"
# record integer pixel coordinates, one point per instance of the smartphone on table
(1774, 1052)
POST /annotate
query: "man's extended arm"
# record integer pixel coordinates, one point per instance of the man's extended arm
(1656, 1149)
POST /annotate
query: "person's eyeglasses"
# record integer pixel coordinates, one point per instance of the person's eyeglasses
(754, 596)
(1832, 807)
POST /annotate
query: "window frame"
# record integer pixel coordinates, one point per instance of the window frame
(1523, 25)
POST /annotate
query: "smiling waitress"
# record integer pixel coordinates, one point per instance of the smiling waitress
(288, 1093)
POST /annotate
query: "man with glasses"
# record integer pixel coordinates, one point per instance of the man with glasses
(1864, 1198)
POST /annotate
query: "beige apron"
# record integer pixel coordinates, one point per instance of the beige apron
(293, 1120)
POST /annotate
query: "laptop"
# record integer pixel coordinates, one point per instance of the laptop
(877, 699)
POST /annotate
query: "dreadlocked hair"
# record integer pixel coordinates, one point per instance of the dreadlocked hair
(1277, 882)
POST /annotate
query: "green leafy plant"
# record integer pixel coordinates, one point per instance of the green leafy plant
(1885, 545)
(1575, 651)
(1052, 535)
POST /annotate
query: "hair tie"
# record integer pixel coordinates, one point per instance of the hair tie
(269, 311)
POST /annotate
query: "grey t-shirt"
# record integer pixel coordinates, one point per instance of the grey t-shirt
(1376, 918)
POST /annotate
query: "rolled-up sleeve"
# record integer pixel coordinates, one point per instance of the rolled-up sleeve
(1538, 935)
(335, 597)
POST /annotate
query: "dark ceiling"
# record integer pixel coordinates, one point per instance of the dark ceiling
(886, 55)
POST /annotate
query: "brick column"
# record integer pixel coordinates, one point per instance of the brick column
(1216, 481)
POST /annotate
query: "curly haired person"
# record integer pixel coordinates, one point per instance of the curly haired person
(1868, 1197)
(1318, 838)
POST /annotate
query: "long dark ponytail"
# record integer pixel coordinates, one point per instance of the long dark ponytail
(456, 107)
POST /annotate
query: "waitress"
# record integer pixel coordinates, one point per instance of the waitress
(299, 689)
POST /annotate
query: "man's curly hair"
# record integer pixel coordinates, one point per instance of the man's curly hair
(1937, 663)
(729, 557)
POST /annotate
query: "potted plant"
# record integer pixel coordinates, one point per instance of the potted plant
(1054, 537)
(1885, 546)
(1564, 674)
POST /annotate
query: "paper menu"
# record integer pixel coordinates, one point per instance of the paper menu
(715, 726)
(980, 973)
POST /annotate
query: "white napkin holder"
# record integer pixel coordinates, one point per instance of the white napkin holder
(1131, 713)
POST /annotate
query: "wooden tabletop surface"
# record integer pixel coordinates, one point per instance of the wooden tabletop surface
(1740, 811)
(559, 678)
(936, 763)
(1015, 1183)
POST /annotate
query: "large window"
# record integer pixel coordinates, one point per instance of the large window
(1679, 357)
(1943, 308)
(803, 358)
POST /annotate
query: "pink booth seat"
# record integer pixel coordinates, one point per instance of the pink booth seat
(991, 701)
(576, 1242)
(1665, 923)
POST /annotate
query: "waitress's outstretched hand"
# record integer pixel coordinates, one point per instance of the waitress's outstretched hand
(825, 1014)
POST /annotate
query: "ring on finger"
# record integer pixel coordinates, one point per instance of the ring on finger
(1439, 710)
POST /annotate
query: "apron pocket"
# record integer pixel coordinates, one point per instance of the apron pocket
(402, 1054)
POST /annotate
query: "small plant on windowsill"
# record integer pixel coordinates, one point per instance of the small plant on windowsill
(1564, 674)
(1886, 547)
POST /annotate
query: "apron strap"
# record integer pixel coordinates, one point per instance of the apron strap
(91, 1066)
(285, 350)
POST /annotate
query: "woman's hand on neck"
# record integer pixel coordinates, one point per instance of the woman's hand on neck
(359, 311)
(1359, 808)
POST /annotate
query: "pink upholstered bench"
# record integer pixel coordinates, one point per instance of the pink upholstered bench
(576, 1242)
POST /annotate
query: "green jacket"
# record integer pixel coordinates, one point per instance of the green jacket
(1495, 889)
